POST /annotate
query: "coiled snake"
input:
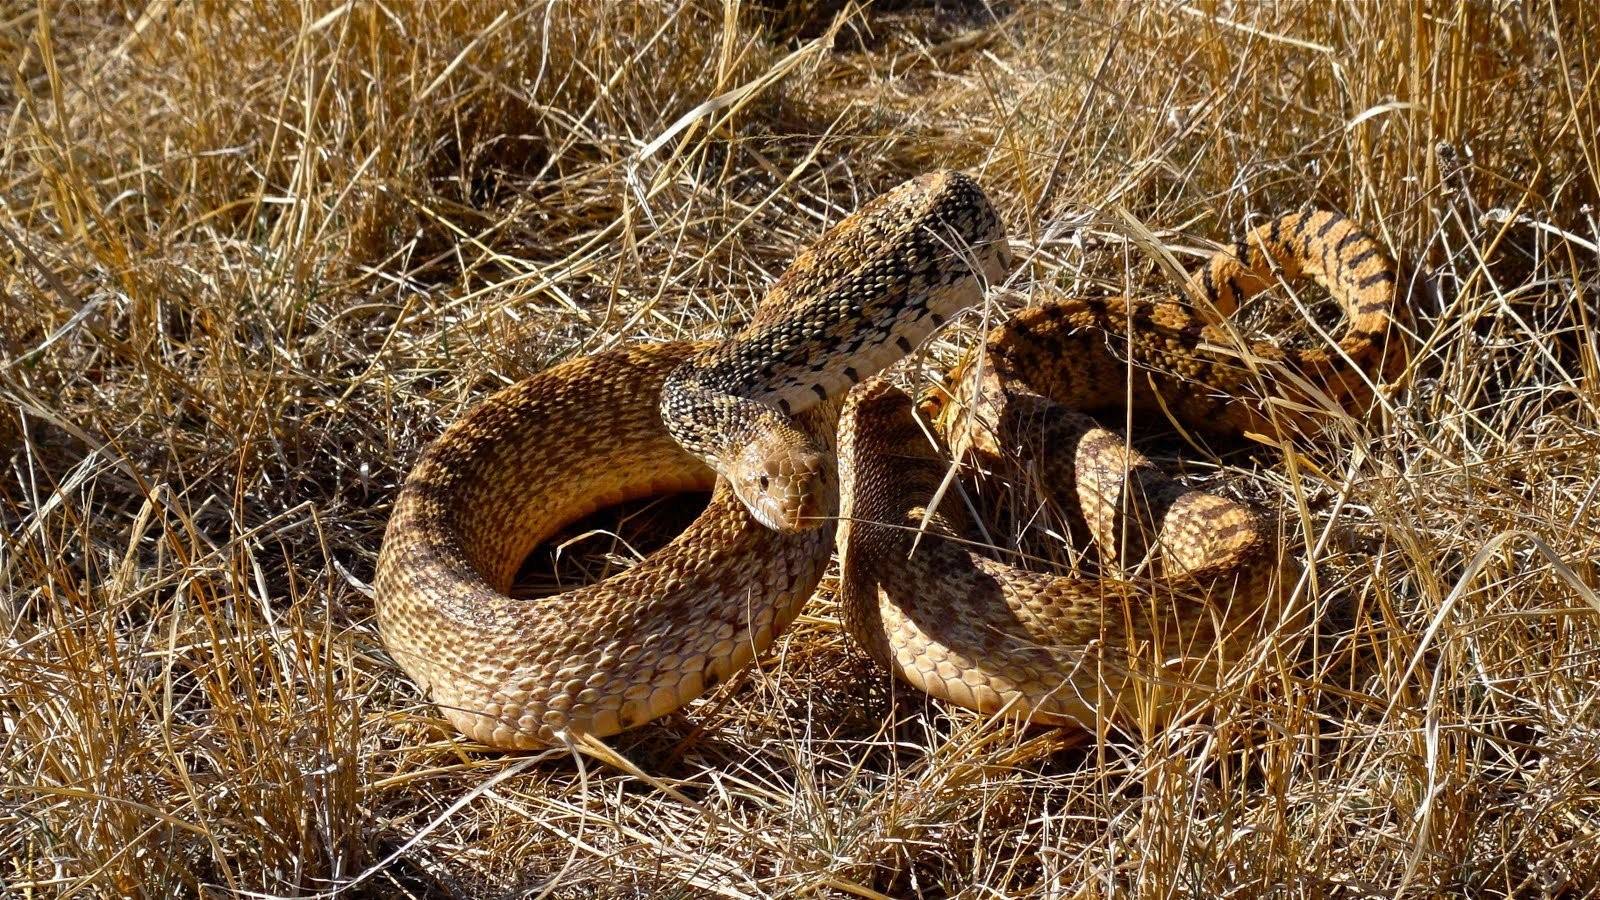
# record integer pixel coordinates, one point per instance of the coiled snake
(754, 419)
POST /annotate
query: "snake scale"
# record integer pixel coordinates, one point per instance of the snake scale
(788, 426)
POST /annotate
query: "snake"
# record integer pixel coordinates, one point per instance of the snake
(1069, 650)
(752, 419)
(801, 443)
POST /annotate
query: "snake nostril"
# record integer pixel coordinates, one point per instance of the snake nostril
(765, 482)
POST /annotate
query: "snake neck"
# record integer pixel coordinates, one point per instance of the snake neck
(876, 285)
(781, 467)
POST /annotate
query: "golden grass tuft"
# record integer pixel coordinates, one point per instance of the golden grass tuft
(253, 255)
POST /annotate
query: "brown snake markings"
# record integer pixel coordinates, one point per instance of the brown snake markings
(763, 410)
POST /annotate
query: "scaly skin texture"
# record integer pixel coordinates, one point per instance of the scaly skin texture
(600, 430)
(1051, 649)
(1070, 649)
(868, 292)
(1185, 361)
(603, 657)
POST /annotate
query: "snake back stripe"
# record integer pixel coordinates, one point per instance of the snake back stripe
(1184, 362)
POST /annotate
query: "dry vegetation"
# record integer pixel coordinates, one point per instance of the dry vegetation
(252, 256)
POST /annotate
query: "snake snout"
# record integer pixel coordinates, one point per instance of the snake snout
(787, 487)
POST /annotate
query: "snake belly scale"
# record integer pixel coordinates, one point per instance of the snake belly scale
(755, 419)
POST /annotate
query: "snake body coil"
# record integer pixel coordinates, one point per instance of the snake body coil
(759, 409)
(755, 418)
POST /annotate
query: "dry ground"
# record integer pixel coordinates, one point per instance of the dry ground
(252, 256)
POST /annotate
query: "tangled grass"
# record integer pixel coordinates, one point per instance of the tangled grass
(253, 255)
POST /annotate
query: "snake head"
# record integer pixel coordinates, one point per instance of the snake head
(784, 480)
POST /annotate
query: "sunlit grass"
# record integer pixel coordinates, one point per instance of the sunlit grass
(252, 256)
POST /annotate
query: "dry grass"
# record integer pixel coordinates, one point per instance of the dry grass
(253, 255)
